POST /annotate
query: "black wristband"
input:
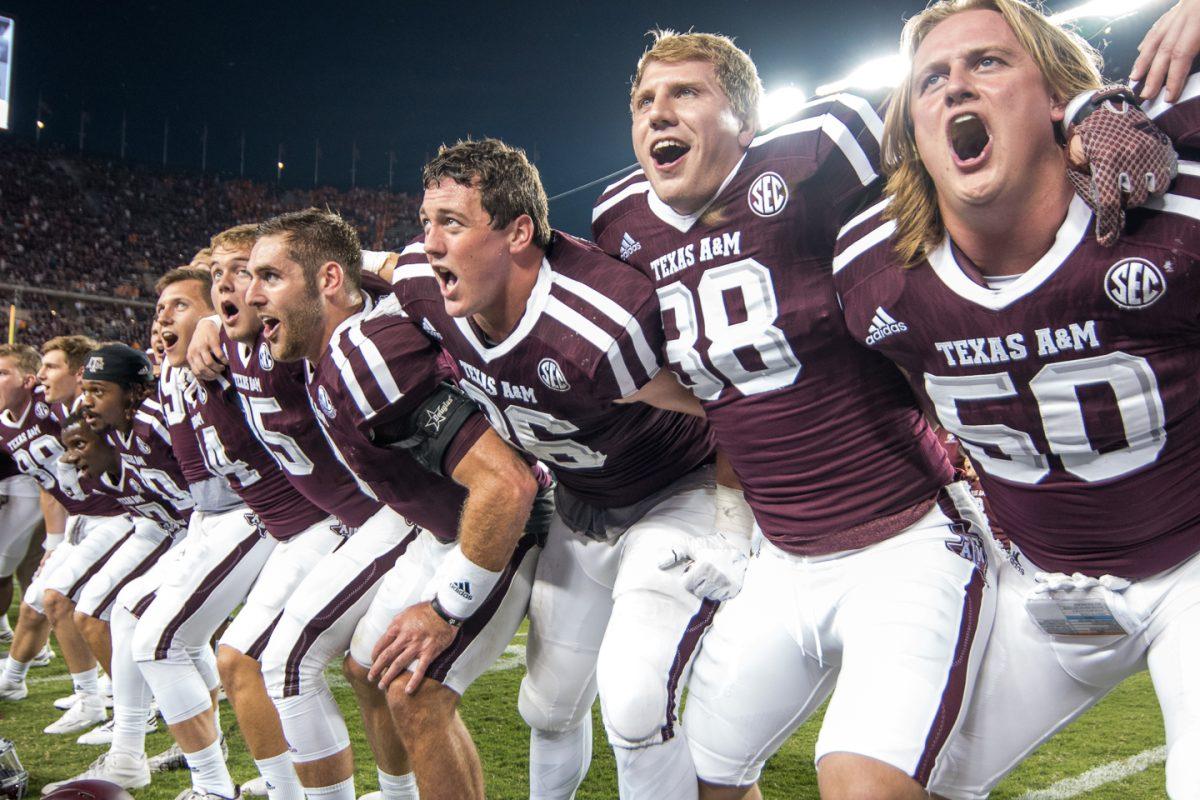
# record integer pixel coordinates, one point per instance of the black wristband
(1101, 97)
(452, 621)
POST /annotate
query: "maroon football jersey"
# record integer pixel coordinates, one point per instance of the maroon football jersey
(276, 406)
(1072, 386)
(824, 435)
(375, 373)
(591, 335)
(175, 386)
(151, 483)
(32, 439)
(231, 450)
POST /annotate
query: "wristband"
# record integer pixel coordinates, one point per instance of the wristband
(734, 516)
(460, 585)
(53, 540)
(1084, 103)
(374, 260)
(452, 621)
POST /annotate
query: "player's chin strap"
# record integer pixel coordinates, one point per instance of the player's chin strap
(1126, 157)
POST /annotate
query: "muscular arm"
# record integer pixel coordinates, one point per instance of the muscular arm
(500, 491)
(665, 392)
(56, 519)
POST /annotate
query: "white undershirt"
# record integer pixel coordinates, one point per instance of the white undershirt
(997, 282)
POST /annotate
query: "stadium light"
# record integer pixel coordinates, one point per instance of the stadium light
(779, 104)
(1100, 8)
(278, 165)
(878, 73)
(40, 125)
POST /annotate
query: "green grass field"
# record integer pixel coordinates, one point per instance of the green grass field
(1126, 724)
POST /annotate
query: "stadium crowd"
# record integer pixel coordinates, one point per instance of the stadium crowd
(707, 452)
(96, 225)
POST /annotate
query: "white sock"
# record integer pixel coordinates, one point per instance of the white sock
(15, 671)
(660, 770)
(86, 682)
(209, 772)
(131, 695)
(558, 761)
(397, 787)
(5, 627)
(338, 791)
(280, 775)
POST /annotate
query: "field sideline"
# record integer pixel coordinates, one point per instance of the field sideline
(1115, 751)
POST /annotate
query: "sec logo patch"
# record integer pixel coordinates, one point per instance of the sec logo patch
(1134, 283)
(768, 194)
(265, 360)
(551, 375)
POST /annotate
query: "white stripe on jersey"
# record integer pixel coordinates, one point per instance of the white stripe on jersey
(413, 249)
(155, 425)
(152, 404)
(860, 106)
(409, 271)
(1175, 204)
(356, 392)
(615, 184)
(610, 309)
(389, 306)
(858, 219)
(1191, 90)
(641, 187)
(836, 130)
(843, 259)
(375, 363)
(590, 331)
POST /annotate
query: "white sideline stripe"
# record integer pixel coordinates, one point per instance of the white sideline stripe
(514, 656)
(1095, 778)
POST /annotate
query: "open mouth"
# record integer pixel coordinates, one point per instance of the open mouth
(270, 328)
(447, 278)
(93, 421)
(169, 338)
(668, 151)
(229, 312)
(969, 139)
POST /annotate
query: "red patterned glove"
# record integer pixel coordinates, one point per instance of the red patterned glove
(1128, 156)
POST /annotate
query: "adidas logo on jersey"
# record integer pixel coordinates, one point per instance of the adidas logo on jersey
(462, 589)
(629, 246)
(882, 325)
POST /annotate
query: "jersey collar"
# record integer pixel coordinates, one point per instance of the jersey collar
(684, 222)
(1070, 234)
(533, 312)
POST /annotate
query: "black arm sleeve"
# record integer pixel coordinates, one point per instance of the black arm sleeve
(429, 431)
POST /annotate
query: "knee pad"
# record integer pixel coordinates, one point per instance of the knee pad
(551, 711)
(312, 724)
(205, 662)
(178, 688)
(633, 703)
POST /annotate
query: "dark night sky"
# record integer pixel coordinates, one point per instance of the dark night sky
(551, 77)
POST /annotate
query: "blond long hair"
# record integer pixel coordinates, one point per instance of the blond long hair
(1068, 64)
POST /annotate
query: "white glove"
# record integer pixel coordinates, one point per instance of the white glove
(716, 564)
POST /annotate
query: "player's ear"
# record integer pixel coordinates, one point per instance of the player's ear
(747, 132)
(520, 234)
(331, 278)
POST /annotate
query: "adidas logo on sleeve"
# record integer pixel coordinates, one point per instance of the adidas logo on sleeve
(883, 325)
(629, 246)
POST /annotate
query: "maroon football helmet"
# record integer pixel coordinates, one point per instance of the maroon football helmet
(88, 790)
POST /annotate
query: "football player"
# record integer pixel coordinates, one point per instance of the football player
(276, 406)
(119, 440)
(867, 538)
(463, 565)
(21, 512)
(96, 526)
(1065, 368)
(556, 340)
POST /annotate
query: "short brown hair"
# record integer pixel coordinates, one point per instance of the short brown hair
(75, 347)
(181, 274)
(315, 237)
(239, 237)
(1068, 64)
(734, 69)
(27, 359)
(202, 253)
(509, 184)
